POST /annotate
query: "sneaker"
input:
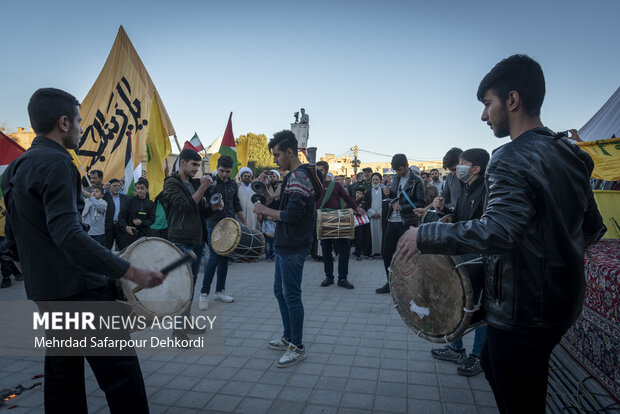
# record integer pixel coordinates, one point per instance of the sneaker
(369, 258)
(6, 282)
(470, 366)
(383, 289)
(292, 356)
(19, 277)
(328, 281)
(358, 258)
(222, 297)
(203, 303)
(345, 284)
(278, 344)
(448, 354)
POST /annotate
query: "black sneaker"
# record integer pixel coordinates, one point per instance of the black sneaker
(6, 282)
(448, 354)
(328, 281)
(345, 284)
(383, 289)
(470, 366)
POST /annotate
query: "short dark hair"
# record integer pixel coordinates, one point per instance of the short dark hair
(452, 157)
(435, 169)
(424, 173)
(284, 139)
(47, 105)
(189, 154)
(143, 181)
(98, 173)
(478, 157)
(399, 160)
(377, 174)
(97, 187)
(114, 180)
(225, 161)
(518, 73)
(323, 164)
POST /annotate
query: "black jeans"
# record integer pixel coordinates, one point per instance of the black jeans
(392, 233)
(119, 377)
(362, 240)
(343, 248)
(517, 367)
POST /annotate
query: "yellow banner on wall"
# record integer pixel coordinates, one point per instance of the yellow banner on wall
(117, 107)
(606, 157)
(608, 203)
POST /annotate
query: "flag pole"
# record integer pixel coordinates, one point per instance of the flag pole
(177, 142)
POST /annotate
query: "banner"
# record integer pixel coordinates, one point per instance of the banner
(608, 203)
(118, 107)
(157, 150)
(242, 153)
(606, 157)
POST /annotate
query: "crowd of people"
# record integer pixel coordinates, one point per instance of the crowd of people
(529, 222)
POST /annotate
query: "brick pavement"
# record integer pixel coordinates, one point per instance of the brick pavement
(361, 357)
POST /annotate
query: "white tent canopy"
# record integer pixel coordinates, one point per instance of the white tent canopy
(605, 123)
(214, 147)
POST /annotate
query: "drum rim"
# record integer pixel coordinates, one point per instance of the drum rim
(137, 306)
(463, 325)
(318, 227)
(237, 238)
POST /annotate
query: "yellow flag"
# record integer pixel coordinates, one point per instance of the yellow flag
(213, 161)
(242, 153)
(157, 150)
(606, 157)
(118, 107)
(608, 203)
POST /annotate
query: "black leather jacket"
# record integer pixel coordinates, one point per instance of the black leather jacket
(540, 217)
(414, 187)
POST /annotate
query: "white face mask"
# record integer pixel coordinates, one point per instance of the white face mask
(463, 174)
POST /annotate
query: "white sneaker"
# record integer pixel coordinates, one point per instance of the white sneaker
(223, 297)
(292, 356)
(203, 303)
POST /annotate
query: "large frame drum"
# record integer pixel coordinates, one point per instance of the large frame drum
(235, 240)
(174, 295)
(336, 224)
(435, 295)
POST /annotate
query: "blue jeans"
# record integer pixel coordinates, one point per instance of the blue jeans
(215, 261)
(269, 247)
(199, 251)
(287, 289)
(343, 248)
(480, 335)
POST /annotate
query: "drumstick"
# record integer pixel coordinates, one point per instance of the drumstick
(188, 257)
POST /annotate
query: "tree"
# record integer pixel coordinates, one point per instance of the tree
(259, 157)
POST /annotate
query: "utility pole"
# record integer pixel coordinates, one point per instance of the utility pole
(355, 160)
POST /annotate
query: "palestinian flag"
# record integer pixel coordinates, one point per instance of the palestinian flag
(130, 184)
(9, 150)
(228, 147)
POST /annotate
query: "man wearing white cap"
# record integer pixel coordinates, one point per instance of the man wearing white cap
(274, 187)
(245, 196)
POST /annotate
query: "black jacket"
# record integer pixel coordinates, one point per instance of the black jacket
(540, 217)
(43, 198)
(185, 217)
(414, 187)
(111, 209)
(230, 195)
(471, 202)
(144, 210)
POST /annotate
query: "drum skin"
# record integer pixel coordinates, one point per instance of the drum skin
(233, 239)
(336, 224)
(431, 295)
(174, 295)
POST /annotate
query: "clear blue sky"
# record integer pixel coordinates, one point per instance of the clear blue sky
(390, 76)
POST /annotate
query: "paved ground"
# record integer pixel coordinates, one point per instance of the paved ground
(361, 357)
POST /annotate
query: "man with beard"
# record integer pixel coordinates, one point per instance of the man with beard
(375, 214)
(539, 219)
(245, 194)
(61, 263)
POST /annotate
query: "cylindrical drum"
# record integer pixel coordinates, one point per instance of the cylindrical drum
(336, 224)
(436, 295)
(235, 240)
(174, 295)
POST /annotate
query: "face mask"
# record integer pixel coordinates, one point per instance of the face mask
(462, 173)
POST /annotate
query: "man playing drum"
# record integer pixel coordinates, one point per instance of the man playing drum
(295, 223)
(468, 206)
(539, 219)
(60, 261)
(334, 198)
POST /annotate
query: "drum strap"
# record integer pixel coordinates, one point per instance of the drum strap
(408, 199)
(327, 196)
